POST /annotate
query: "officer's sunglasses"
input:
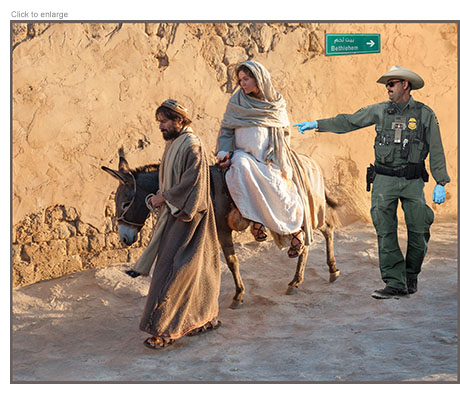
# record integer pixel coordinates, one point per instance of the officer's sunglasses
(392, 83)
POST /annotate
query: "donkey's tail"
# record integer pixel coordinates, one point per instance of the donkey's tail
(332, 217)
(332, 202)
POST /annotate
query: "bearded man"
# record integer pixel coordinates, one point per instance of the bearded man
(183, 295)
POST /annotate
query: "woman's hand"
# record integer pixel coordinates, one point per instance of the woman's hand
(224, 163)
(223, 159)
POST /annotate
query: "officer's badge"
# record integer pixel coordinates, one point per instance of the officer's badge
(412, 124)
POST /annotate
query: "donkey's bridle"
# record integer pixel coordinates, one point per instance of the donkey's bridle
(122, 218)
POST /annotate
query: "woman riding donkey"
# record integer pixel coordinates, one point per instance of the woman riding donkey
(269, 183)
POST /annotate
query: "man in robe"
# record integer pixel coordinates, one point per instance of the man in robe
(183, 295)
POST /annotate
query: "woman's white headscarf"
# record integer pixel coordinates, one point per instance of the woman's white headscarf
(270, 111)
(245, 111)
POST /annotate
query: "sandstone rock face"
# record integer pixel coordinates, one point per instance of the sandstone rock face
(83, 90)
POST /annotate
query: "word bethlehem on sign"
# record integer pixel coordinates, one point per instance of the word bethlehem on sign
(352, 44)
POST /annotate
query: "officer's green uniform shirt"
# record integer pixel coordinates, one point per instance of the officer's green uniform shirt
(414, 118)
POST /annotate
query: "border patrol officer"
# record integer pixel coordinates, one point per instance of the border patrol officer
(406, 131)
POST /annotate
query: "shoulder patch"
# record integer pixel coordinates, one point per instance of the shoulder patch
(431, 112)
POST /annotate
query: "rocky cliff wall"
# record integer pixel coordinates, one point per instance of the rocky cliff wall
(83, 90)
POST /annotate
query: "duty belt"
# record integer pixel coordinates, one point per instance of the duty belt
(399, 172)
(410, 171)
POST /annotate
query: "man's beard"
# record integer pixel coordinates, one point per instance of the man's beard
(170, 134)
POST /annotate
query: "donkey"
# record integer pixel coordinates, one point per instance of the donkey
(132, 212)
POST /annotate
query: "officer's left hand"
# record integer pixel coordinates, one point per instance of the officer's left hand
(439, 194)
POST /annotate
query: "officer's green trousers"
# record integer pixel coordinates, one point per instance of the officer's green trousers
(386, 192)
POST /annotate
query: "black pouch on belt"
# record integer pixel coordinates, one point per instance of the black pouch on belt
(411, 171)
(415, 171)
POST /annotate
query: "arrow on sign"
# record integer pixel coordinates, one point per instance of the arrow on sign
(351, 44)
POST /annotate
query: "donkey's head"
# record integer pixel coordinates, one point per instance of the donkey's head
(134, 185)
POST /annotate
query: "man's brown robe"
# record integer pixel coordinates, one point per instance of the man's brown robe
(185, 283)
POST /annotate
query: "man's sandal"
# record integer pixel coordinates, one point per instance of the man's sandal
(211, 325)
(297, 244)
(259, 232)
(158, 343)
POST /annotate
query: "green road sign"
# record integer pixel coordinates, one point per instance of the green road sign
(352, 44)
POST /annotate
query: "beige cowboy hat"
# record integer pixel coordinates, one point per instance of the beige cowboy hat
(399, 72)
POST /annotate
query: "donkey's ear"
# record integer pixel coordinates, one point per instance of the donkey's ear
(121, 176)
(123, 165)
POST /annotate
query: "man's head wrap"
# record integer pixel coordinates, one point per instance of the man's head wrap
(177, 107)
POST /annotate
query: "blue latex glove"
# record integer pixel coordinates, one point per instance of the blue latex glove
(306, 126)
(439, 194)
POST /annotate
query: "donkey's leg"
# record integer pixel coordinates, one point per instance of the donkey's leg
(299, 273)
(328, 232)
(226, 241)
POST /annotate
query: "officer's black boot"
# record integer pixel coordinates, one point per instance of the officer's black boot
(390, 292)
(411, 285)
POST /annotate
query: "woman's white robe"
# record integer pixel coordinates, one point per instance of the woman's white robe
(259, 190)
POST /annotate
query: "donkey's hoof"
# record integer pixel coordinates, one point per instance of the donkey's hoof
(333, 276)
(291, 290)
(236, 304)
